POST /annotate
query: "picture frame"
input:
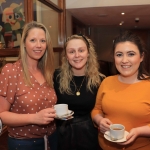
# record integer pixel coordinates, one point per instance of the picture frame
(14, 51)
(12, 20)
(31, 14)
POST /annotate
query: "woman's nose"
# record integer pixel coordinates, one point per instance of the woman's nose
(124, 59)
(38, 44)
(76, 54)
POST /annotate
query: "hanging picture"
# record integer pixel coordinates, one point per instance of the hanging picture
(12, 20)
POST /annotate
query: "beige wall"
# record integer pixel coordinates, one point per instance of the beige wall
(68, 23)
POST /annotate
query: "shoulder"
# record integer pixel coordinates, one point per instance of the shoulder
(145, 82)
(11, 68)
(56, 72)
(111, 79)
(102, 76)
(109, 82)
(56, 75)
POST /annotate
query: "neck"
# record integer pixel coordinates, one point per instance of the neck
(32, 66)
(128, 80)
(78, 72)
(32, 63)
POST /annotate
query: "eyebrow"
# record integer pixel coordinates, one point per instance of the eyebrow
(131, 51)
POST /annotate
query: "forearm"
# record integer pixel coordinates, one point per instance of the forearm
(97, 119)
(13, 119)
(4, 104)
(144, 131)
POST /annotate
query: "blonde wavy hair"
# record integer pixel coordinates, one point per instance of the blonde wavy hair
(46, 62)
(91, 72)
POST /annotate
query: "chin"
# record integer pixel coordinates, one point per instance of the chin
(78, 68)
(37, 59)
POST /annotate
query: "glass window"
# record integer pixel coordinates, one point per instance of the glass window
(55, 2)
(49, 18)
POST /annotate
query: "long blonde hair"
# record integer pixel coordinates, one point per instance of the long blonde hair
(46, 62)
(91, 72)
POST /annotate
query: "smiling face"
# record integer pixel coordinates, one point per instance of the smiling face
(127, 59)
(35, 44)
(77, 55)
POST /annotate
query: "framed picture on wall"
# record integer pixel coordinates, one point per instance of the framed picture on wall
(12, 20)
(28, 11)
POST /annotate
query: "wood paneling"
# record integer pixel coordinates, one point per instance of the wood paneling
(28, 7)
(13, 52)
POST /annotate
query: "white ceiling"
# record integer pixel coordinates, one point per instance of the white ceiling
(102, 3)
(108, 12)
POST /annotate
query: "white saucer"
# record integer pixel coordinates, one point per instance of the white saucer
(66, 116)
(117, 141)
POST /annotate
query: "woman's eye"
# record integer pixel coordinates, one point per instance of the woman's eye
(131, 54)
(118, 55)
(43, 41)
(81, 50)
(71, 52)
(32, 40)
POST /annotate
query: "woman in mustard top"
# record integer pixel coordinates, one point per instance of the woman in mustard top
(125, 98)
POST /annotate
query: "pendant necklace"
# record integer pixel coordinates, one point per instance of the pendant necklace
(78, 90)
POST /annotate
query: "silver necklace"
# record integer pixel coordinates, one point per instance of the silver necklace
(78, 89)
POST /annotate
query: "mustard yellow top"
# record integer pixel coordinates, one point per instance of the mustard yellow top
(127, 104)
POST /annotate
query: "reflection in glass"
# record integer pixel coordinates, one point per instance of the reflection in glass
(49, 18)
(55, 2)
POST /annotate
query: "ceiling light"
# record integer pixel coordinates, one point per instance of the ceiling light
(137, 20)
(121, 23)
(122, 13)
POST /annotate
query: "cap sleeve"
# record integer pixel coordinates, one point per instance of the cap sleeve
(8, 82)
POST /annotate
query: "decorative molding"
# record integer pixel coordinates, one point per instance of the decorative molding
(13, 52)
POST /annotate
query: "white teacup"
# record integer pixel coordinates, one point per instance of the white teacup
(61, 109)
(117, 131)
